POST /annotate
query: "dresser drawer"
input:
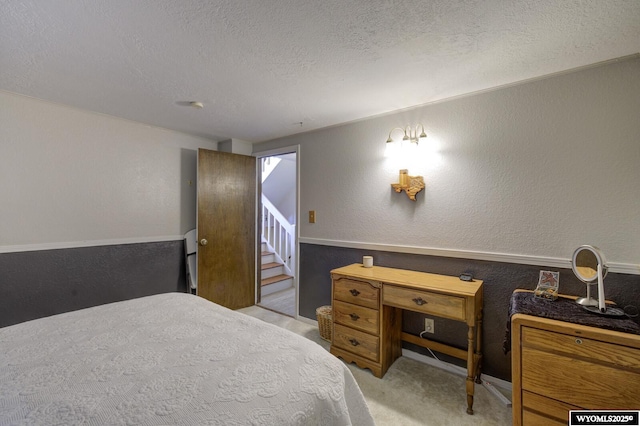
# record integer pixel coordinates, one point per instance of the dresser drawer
(357, 342)
(580, 347)
(579, 381)
(356, 292)
(540, 410)
(426, 302)
(530, 418)
(358, 317)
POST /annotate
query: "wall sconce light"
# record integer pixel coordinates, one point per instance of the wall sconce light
(409, 184)
(410, 134)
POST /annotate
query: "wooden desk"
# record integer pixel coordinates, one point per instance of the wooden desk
(367, 316)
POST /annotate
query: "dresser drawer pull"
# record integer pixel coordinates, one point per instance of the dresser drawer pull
(354, 317)
(578, 341)
(354, 342)
(419, 301)
(354, 292)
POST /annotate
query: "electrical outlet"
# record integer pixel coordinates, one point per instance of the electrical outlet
(429, 327)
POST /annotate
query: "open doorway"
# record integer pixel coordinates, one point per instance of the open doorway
(278, 209)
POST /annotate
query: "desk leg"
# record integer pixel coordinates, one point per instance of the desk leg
(478, 348)
(471, 368)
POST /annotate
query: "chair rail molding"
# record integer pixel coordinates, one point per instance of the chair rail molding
(622, 268)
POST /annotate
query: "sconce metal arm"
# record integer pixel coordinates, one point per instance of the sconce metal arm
(404, 138)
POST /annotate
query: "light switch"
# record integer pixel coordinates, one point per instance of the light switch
(312, 216)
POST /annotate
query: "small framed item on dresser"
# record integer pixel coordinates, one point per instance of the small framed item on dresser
(548, 284)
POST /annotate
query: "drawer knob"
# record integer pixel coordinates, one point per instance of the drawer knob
(419, 301)
(354, 292)
(354, 317)
(578, 341)
(354, 342)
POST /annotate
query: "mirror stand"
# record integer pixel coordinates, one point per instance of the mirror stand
(587, 301)
(589, 265)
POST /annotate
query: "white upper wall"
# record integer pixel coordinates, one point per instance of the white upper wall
(535, 169)
(72, 176)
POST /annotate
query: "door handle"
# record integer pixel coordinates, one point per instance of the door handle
(203, 242)
(354, 317)
(354, 292)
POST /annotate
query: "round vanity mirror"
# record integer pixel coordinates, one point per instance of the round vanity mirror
(584, 263)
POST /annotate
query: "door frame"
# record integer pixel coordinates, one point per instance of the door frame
(269, 153)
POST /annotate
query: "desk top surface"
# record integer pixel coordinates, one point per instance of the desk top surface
(413, 279)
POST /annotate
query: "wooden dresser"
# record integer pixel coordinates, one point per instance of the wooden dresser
(367, 315)
(559, 366)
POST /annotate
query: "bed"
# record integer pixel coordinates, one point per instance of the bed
(170, 359)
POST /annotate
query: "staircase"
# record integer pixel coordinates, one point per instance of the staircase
(274, 277)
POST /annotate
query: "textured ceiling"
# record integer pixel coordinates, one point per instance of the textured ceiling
(261, 67)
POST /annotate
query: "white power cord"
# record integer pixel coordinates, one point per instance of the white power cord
(430, 351)
(488, 386)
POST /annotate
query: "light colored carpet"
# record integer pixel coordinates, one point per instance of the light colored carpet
(411, 393)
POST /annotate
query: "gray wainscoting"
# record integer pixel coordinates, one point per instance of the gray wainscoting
(36, 284)
(500, 280)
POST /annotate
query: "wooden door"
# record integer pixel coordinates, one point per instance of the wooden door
(227, 228)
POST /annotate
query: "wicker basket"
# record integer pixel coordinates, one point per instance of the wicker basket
(324, 322)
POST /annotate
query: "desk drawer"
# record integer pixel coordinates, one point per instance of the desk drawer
(354, 316)
(426, 302)
(357, 292)
(357, 342)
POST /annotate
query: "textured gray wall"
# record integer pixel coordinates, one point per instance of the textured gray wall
(500, 279)
(36, 284)
(513, 171)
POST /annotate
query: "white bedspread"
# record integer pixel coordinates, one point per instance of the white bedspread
(170, 359)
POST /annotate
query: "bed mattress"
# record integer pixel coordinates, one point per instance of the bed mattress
(170, 359)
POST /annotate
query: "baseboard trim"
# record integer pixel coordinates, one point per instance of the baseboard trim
(89, 243)
(452, 368)
(622, 268)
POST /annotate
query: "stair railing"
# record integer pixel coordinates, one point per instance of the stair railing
(278, 233)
